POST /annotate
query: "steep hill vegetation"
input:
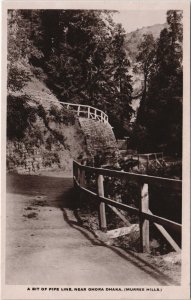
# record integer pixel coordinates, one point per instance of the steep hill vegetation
(82, 56)
(134, 38)
(41, 133)
(159, 118)
(132, 42)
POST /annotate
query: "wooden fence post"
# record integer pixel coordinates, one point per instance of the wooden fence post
(95, 113)
(144, 224)
(82, 182)
(78, 113)
(88, 112)
(78, 174)
(82, 178)
(74, 173)
(102, 215)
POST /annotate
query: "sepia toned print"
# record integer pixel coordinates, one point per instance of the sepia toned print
(96, 191)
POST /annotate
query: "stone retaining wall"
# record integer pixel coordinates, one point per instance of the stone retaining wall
(23, 159)
(86, 136)
(99, 137)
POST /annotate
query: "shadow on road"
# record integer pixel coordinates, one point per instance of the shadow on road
(54, 189)
(124, 254)
(59, 193)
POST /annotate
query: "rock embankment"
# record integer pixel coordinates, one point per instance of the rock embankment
(43, 135)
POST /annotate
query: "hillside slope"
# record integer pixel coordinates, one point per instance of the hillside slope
(134, 38)
(42, 134)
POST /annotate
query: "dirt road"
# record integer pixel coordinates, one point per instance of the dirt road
(47, 245)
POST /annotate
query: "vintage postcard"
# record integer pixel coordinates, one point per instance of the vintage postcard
(95, 150)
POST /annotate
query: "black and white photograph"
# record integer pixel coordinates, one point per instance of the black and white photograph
(95, 131)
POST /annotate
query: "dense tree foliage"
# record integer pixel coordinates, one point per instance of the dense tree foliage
(120, 98)
(159, 120)
(20, 48)
(145, 63)
(82, 54)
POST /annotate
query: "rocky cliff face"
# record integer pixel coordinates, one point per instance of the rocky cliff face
(42, 135)
(49, 144)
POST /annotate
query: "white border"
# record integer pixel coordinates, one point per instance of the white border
(169, 292)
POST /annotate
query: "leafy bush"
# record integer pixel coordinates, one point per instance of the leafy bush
(41, 112)
(168, 169)
(34, 137)
(50, 158)
(20, 115)
(61, 115)
(17, 77)
(39, 73)
(49, 141)
(139, 139)
(61, 138)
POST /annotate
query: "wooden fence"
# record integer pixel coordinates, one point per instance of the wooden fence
(80, 173)
(84, 111)
(87, 111)
(157, 157)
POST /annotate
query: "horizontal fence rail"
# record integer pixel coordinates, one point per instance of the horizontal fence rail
(141, 178)
(157, 157)
(87, 111)
(144, 213)
(150, 155)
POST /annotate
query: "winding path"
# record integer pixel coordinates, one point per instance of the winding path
(47, 245)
